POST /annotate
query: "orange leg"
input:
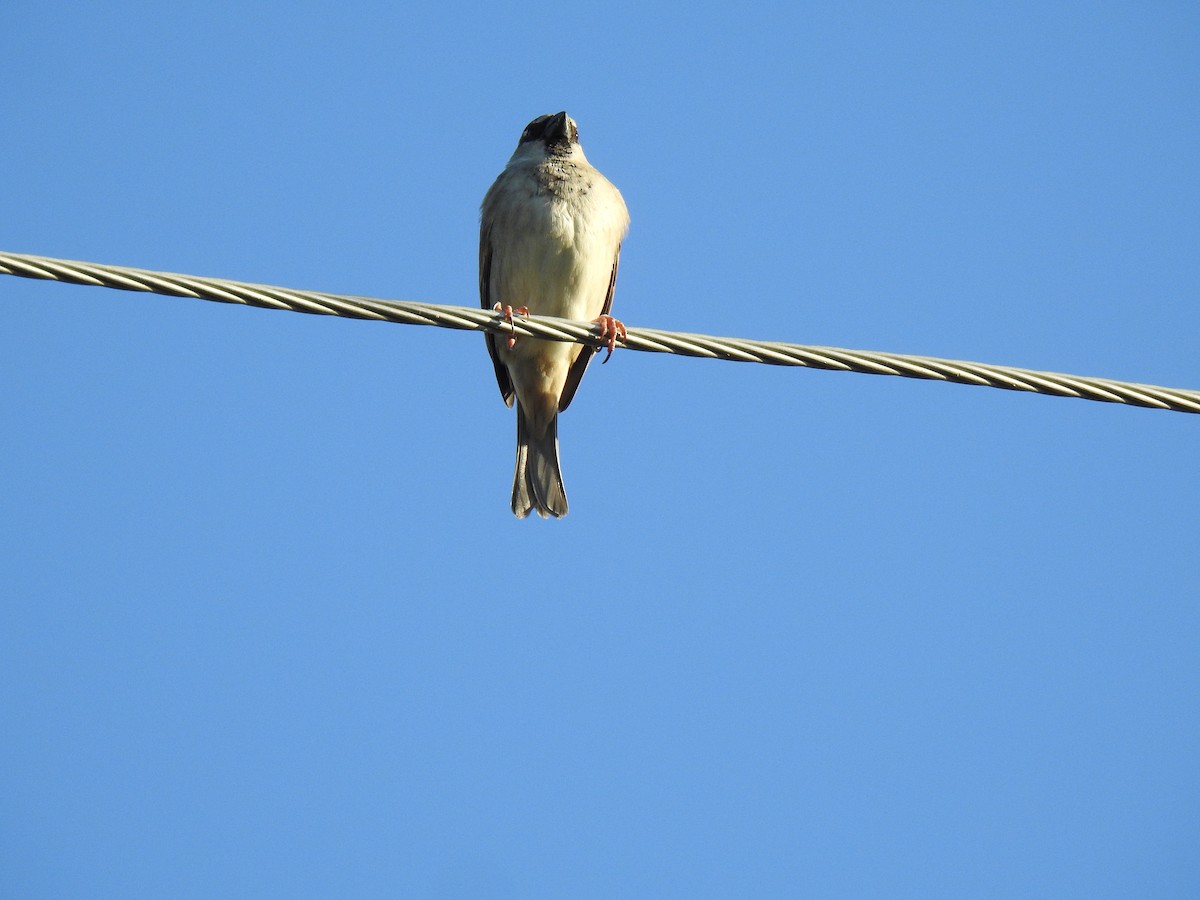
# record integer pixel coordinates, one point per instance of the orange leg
(509, 312)
(611, 331)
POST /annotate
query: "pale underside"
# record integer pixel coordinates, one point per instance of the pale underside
(554, 252)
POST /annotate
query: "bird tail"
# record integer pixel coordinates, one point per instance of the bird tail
(537, 482)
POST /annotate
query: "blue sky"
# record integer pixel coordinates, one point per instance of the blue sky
(268, 627)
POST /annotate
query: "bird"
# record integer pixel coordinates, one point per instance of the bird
(550, 234)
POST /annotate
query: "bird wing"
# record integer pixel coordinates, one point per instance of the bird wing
(575, 375)
(486, 301)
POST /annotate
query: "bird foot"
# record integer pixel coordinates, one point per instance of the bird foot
(611, 331)
(509, 312)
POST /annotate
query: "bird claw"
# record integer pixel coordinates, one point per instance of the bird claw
(509, 312)
(611, 331)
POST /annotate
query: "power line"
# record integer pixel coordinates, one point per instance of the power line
(646, 339)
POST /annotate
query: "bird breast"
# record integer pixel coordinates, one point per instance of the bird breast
(554, 249)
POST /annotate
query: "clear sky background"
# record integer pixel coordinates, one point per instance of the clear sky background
(268, 627)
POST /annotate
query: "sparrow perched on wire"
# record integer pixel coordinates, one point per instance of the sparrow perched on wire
(550, 235)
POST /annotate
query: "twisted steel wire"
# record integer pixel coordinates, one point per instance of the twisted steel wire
(646, 339)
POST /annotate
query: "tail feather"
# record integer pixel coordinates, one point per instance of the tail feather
(537, 482)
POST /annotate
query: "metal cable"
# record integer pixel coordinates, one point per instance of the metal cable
(648, 339)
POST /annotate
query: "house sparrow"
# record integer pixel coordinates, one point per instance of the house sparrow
(549, 239)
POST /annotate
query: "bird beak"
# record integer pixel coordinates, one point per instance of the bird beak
(556, 128)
